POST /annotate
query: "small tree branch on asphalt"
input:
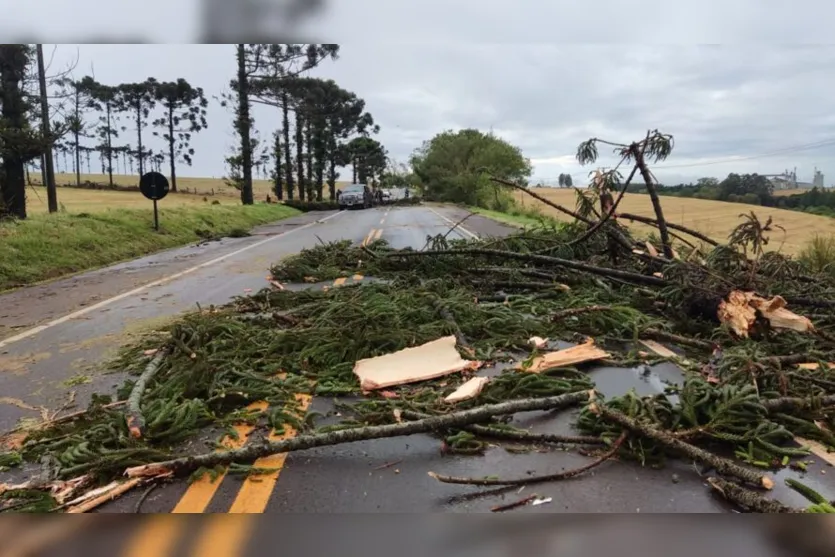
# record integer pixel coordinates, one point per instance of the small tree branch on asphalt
(568, 474)
(720, 464)
(457, 419)
(748, 499)
(134, 418)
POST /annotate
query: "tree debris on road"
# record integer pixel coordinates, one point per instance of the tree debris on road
(756, 374)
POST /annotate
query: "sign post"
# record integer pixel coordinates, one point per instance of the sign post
(154, 186)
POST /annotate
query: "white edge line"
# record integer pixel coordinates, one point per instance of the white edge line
(459, 227)
(35, 330)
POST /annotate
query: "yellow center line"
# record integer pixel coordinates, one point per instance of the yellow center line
(156, 536)
(367, 239)
(256, 491)
(378, 234)
(200, 492)
(339, 281)
(357, 277)
(224, 536)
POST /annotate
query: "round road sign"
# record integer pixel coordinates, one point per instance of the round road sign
(153, 185)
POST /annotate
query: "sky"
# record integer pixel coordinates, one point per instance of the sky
(543, 75)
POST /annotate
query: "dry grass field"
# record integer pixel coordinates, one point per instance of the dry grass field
(74, 200)
(713, 218)
(204, 186)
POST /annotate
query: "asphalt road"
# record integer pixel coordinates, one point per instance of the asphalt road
(55, 336)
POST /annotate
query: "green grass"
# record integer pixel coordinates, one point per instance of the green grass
(49, 246)
(819, 254)
(516, 216)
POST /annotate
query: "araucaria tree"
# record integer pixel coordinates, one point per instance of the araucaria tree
(185, 114)
(138, 99)
(20, 142)
(104, 99)
(368, 158)
(270, 73)
(81, 96)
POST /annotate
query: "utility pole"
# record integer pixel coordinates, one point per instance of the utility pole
(49, 169)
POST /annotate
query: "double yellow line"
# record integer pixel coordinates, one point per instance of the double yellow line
(223, 536)
(372, 236)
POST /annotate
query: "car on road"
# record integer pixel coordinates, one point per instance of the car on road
(386, 196)
(356, 196)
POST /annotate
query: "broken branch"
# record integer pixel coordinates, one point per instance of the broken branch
(535, 479)
(134, 418)
(302, 442)
(720, 464)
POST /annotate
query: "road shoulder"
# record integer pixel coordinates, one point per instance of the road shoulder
(32, 305)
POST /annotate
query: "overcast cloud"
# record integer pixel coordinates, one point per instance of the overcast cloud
(534, 75)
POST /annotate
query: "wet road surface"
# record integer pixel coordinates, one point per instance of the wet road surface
(39, 369)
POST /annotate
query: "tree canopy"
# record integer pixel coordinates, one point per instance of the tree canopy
(452, 167)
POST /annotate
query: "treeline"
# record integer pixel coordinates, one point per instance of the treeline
(172, 111)
(752, 189)
(321, 126)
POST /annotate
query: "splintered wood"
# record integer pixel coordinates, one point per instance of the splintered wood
(659, 349)
(468, 390)
(818, 449)
(420, 363)
(586, 352)
(739, 312)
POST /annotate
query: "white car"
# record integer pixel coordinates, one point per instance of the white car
(386, 196)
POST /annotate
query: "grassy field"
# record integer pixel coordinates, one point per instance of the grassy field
(204, 186)
(713, 218)
(74, 200)
(48, 246)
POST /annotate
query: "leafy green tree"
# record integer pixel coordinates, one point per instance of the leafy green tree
(396, 175)
(562, 180)
(185, 115)
(451, 167)
(138, 99)
(568, 181)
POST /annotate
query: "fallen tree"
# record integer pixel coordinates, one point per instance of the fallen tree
(757, 375)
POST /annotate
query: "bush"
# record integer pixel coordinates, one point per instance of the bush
(819, 254)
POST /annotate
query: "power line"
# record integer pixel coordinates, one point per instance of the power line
(776, 152)
(797, 148)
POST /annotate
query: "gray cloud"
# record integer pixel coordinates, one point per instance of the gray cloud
(424, 67)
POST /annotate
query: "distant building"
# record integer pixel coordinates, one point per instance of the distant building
(788, 181)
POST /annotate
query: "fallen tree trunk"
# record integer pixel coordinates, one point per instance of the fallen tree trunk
(720, 464)
(653, 222)
(134, 418)
(547, 260)
(303, 442)
(544, 200)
